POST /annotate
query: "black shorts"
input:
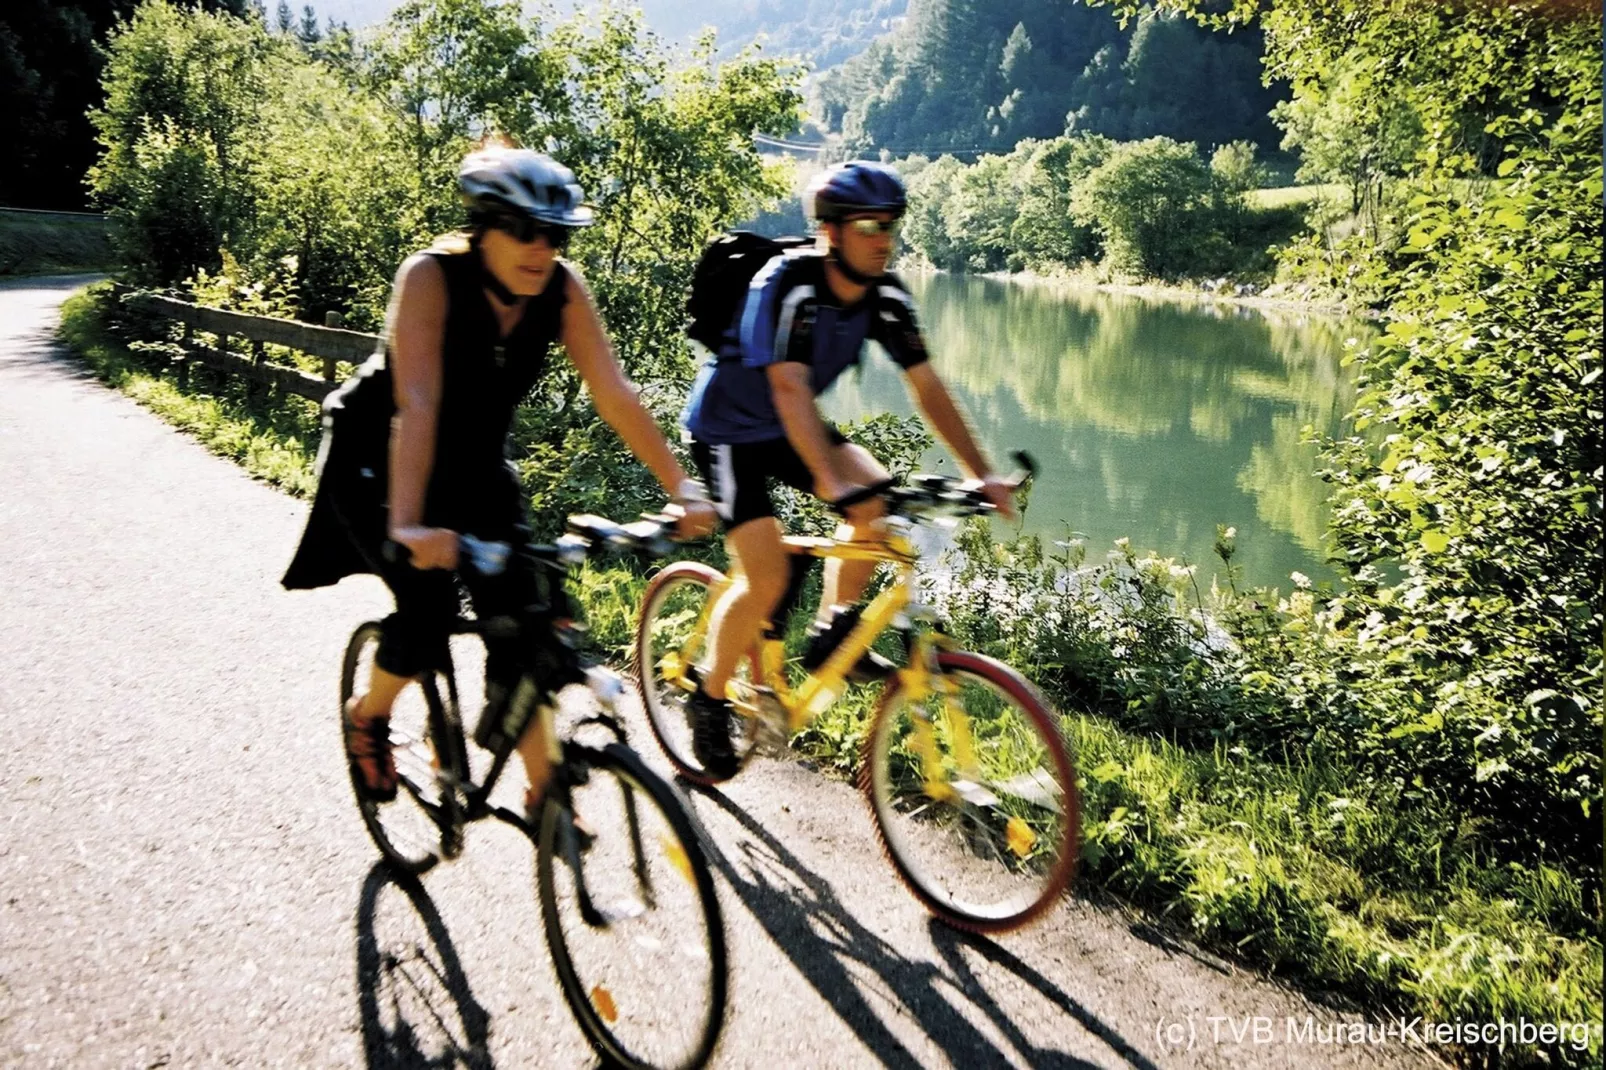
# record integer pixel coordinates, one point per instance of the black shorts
(738, 476)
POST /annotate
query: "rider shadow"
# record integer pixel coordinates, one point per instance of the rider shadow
(410, 983)
(802, 914)
(949, 942)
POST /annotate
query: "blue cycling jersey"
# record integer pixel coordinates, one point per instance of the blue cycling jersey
(791, 314)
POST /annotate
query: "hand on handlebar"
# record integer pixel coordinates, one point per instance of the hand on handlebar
(693, 519)
(1000, 492)
(430, 547)
(860, 506)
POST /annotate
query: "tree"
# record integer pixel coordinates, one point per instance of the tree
(1045, 231)
(1151, 201)
(183, 93)
(1346, 131)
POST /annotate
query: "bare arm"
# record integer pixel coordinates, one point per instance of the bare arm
(613, 394)
(615, 398)
(943, 416)
(794, 403)
(416, 324)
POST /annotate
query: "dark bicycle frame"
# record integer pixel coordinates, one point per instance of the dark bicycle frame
(463, 801)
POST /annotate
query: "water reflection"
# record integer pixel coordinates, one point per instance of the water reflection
(1151, 419)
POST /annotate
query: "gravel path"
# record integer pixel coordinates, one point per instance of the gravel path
(184, 881)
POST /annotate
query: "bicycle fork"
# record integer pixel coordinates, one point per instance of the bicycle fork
(922, 684)
(607, 688)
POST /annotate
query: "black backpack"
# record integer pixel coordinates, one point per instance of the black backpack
(719, 282)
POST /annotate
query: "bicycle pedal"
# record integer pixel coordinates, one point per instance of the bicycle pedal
(771, 722)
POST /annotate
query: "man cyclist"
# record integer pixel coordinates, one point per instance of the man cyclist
(415, 444)
(752, 418)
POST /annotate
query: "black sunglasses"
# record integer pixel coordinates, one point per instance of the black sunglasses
(523, 229)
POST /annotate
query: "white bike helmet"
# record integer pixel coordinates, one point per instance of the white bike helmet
(496, 180)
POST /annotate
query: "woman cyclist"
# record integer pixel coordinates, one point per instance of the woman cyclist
(415, 444)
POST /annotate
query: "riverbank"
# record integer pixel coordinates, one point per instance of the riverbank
(1284, 297)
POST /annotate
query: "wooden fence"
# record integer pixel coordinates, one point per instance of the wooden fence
(331, 344)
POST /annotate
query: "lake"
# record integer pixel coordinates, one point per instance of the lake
(1150, 418)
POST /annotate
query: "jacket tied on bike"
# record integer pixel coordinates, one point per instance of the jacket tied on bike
(473, 487)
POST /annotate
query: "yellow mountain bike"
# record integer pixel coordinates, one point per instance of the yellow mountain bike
(968, 777)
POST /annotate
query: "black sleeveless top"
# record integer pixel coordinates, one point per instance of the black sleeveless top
(472, 486)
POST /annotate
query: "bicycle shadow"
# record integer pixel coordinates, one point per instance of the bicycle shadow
(803, 915)
(949, 942)
(410, 983)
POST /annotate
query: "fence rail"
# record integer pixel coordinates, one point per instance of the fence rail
(95, 217)
(332, 344)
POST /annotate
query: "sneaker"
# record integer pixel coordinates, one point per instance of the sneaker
(711, 734)
(823, 641)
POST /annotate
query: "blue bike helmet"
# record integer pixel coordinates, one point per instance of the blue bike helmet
(855, 186)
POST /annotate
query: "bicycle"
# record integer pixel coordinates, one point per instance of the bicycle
(630, 862)
(968, 777)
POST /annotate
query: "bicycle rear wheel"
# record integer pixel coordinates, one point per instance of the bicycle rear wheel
(410, 829)
(668, 644)
(646, 973)
(989, 842)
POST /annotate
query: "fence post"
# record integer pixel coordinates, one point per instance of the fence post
(330, 319)
(181, 369)
(257, 359)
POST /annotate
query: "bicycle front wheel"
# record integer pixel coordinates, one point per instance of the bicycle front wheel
(974, 795)
(631, 917)
(409, 829)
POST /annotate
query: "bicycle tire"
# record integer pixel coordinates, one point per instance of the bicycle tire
(1021, 818)
(665, 704)
(596, 999)
(422, 822)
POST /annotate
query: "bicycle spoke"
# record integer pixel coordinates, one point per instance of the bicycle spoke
(967, 789)
(643, 964)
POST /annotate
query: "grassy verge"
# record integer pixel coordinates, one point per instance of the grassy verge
(274, 442)
(1285, 863)
(1285, 196)
(41, 244)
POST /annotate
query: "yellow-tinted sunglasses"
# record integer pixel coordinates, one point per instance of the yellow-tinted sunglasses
(872, 227)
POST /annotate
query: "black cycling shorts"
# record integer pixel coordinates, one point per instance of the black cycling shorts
(738, 475)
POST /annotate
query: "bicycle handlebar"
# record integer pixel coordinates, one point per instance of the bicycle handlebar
(936, 495)
(587, 536)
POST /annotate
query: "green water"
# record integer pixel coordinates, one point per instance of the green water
(1150, 419)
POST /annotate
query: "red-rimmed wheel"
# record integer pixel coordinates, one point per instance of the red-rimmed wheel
(990, 843)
